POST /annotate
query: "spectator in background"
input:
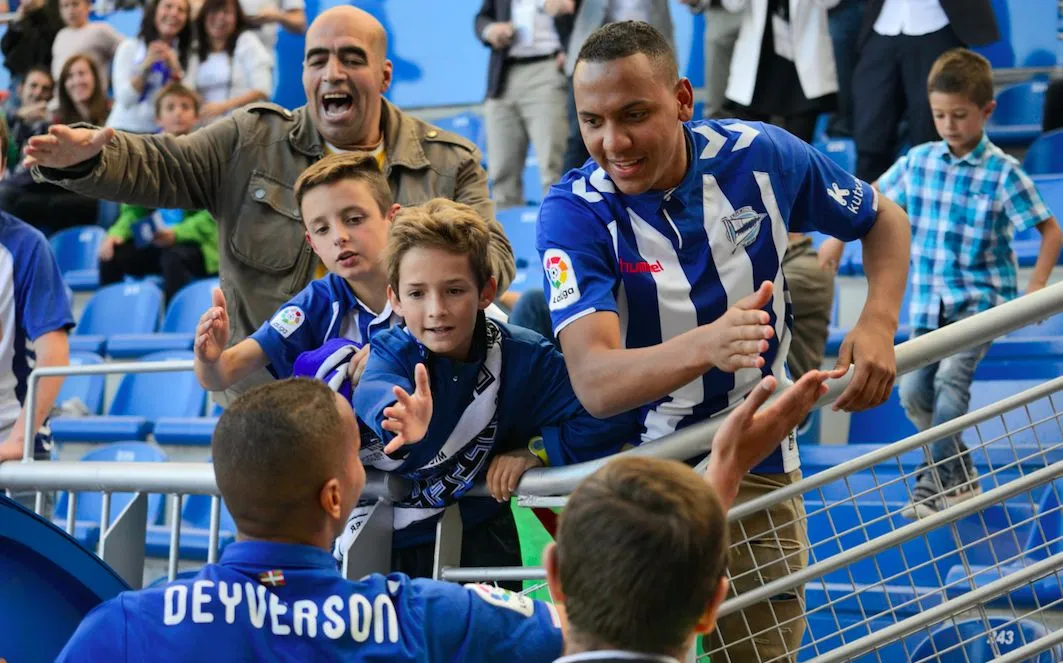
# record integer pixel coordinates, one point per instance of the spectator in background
(268, 16)
(527, 94)
(31, 117)
(34, 311)
(589, 16)
(82, 97)
(161, 53)
(235, 69)
(783, 63)
(180, 244)
(899, 41)
(1053, 111)
(45, 206)
(721, 33)
(97, 40)
(843, 21)
(28, 40)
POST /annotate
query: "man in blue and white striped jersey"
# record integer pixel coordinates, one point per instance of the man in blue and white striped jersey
(662, 269)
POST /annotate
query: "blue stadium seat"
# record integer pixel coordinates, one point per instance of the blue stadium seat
(880, 425)
(115, 309)
(188, 431)
(530, 180)
(519, 224)
(195, 531)
(1027, 244)
(1017, 118)
(75, 251)
(841, 151)
(968, 641)
(141, 400)
(89, 389)
(90, 505)
(178, 327)
(1045, 155)
(467, 125)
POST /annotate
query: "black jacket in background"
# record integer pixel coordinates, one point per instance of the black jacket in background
(499, 11)
(28, 42)
(973, 21)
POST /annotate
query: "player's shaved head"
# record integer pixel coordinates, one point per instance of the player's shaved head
(623, 39)
(354, 21)
(274, 450)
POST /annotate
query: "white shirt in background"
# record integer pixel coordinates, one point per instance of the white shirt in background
(96, 40)
(268, 33)
(627, 10)
(535, 32)
(910, 17)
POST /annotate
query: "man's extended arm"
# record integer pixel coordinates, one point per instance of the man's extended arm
(158, 171)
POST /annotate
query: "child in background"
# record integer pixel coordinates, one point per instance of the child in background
(97, 40)
(182, 245)
(966, 199)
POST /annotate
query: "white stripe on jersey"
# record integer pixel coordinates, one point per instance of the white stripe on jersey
(733, 266)
(621, 293)
(677, 315)
(9, 405)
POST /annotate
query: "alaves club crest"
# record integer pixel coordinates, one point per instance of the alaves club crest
(743, 226)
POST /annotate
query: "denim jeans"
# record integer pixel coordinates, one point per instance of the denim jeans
(938, 393)
(844, 22)
(532, 312)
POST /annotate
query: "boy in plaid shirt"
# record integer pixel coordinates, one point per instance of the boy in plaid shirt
(966, 199)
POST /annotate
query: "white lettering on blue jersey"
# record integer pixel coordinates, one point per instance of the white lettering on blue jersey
(670, 261)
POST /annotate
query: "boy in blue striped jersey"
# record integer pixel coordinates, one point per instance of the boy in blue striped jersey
(346, 205)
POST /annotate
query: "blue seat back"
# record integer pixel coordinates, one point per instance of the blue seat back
(196, 513)
(467, 125)
(1045, 154)
(154, 395)
(1046, 535)
(88, 388)
(841, 151)
(75, 248)
(969, 641)
(90, 505)
(519, 224)
(183, 313)
(122, 308)
(1022, 103)
(885, 423)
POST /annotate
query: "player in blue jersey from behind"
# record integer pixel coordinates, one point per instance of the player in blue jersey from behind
(35, 320)
(455, 397)
(346, 205)
(662, 262)
(276, 593)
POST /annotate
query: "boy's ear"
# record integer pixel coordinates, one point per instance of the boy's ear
(553, 574)
(707, 622)
(393, 299)
(487, 295)
(988, 109)
(392, 211)
(331, 498)
(309, 240)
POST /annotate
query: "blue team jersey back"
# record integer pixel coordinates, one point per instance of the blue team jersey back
(285, 602)
(666, 262)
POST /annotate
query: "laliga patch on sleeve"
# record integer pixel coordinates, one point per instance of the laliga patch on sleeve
(287, 320)
(564, 290)
(504, 599)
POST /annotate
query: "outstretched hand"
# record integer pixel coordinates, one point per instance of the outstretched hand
(408, 418)
(212, 333)
(64, 146)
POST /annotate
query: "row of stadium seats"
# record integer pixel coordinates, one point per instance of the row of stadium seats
(195, 513)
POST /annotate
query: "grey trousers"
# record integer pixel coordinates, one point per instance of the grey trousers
(721, 33)
(533, 105)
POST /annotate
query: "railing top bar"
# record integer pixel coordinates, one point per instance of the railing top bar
(116, 367)
(170, 477)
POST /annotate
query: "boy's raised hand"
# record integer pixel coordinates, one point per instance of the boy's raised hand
(408, 418)
(212, 333)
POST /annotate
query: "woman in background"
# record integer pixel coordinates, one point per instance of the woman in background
(82, 97)
(235, 69)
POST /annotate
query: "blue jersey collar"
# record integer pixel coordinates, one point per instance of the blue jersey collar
(272, 555)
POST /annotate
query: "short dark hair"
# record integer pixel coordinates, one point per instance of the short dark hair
(274, 448)
(641, 548)
(176, 90)
(960, 71)
(360, 166)
(615, 41)
(38, 69)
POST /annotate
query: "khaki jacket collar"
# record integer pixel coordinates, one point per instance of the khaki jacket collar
(402, 143)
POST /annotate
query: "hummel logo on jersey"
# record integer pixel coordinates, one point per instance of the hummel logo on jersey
(641, 267)
(839, 194)
(743, 226)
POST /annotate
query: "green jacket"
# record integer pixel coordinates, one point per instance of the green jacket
(197, 228)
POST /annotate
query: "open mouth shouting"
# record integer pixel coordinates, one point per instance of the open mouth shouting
(336, 106)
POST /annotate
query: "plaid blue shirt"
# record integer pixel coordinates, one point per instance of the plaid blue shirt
(964, 212)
